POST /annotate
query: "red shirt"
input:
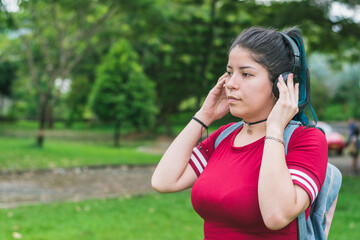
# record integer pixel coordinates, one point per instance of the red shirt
(225, 194)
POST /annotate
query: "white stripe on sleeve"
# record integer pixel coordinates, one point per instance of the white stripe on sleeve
(197, 164)
(307, 178)
(200, 156)
(306, 184)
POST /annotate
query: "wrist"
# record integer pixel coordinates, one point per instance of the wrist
(200, 122)
(274, 132)
(203, 118)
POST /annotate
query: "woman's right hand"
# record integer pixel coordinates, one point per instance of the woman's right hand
(216, 104)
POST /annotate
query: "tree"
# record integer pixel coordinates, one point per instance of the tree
(77, 99)
(7, 76)
(56, 35)
(6, 19)
(122, 92)
(348, 93)
(177, 49)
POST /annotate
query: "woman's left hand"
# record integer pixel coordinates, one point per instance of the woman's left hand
(285, 108)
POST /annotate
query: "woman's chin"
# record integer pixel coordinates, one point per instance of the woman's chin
(236, 113)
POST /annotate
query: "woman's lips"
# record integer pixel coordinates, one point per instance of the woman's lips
(233, 99)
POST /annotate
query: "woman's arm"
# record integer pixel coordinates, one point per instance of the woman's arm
(280, 200)
(173, 172)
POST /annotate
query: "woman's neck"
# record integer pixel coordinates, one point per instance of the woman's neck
(250, 127)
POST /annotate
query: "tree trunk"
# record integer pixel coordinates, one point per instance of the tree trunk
(117, 134)
(50, 116)
(2, 112)
(42, 120)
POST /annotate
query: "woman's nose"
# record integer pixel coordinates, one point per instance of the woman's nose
(230, 82)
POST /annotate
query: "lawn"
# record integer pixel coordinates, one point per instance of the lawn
(346, 222)
(83, 145)
(150, 217)
(21, 153)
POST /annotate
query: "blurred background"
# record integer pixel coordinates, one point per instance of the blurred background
(93, 91)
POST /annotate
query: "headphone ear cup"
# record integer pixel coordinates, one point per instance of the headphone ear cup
(275, 88)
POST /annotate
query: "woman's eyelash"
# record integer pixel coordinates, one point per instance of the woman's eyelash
(246, 74)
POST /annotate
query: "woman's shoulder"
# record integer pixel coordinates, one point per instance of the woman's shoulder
(226, 126)
(310, 135)
(312, 130)
(221, 129)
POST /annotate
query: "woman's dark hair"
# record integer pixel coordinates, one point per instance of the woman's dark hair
(268, 48)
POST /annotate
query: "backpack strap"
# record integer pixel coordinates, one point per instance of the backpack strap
(302, 229)
(290, 128)
(227, 132)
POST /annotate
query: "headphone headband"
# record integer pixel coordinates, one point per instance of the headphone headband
(300, 75)
(296, 54)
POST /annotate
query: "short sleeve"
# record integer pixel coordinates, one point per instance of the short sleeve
(202, 153)
(307, 159)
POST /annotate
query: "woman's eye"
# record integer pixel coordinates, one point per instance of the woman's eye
(229, 73)
(246, 75)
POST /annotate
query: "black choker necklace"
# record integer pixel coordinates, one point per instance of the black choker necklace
(248, 124)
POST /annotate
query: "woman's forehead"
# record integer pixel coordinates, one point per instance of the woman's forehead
(240, 57)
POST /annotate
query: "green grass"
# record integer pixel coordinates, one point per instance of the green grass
(22, 153)
(346, 222)
(155, 216)
(151, 217)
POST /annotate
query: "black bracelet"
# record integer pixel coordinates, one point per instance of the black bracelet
(202, 124)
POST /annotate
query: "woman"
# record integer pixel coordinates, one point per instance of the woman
(247, 188)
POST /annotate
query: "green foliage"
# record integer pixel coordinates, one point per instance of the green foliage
(336, 112)
(78, 97)
(7, 76)
(122, 91)
(319, 98)
(346, 96)
(55, 36)
(182, 45)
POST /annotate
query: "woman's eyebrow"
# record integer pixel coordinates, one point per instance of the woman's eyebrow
(244, 67)
(241, 67)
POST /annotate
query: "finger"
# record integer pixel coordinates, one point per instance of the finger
(297, 92)
(220, 84)
(291, 88)
(290, 80)
(282, 87)
(221, 80)
(224, 76)
(282, 81)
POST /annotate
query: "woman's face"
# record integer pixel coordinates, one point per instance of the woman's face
(248, 87)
